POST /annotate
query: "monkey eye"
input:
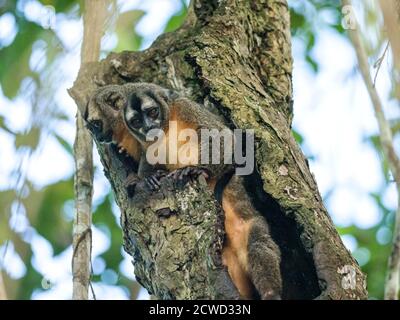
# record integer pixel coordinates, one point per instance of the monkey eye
(135, 122)
(96, 125)
(153, 113)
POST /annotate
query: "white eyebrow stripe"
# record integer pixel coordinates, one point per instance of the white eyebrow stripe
(147, 103)
(129, 113)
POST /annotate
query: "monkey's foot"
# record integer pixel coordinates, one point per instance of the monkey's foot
(189, 174)
(153, 181)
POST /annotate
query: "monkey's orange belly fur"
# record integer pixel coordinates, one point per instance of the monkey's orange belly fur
(234, 254)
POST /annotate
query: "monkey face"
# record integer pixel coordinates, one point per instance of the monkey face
(103, 112)
(145, 112)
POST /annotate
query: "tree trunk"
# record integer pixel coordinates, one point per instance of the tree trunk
(234, 56)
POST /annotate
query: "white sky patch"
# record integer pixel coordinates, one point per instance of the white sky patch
(57, 269)
(50, 163)
(107, 292)
(38, 59)
(157, 15)
(66, 103)
(18, 221)
(69, 31)
(341, 206)
(366, 213)
(101, 185)
(362, 255)
(8, 29)
(13, 264)
(33, 10)
(17, 113)
(143, 294)
(389, 197)
(58, 291)
(126, 266)
(384, 235)
(54, 268)
(99, 265)
(334, 115)
(350, 242)
(109, 42)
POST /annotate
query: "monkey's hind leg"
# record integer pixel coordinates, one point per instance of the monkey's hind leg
(264, 261)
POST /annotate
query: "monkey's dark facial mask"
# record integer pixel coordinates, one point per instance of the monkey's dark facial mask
(143, 113)
(101, 113)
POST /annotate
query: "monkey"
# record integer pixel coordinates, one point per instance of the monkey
(250, 254)
(103, 118)
(149, 107)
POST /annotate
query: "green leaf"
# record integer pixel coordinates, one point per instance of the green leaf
(176, 20)
(104, 218)
(45, 211)
(298, 137)
(4, 127)
(14, 66)
(6, 199)
(61, 5)
(128, 39)
(67, 147)
(297, 20)
(29, 139)
(312, 63)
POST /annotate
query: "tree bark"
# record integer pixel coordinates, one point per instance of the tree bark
(234, 56)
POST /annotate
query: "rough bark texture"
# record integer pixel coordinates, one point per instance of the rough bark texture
(234, 56)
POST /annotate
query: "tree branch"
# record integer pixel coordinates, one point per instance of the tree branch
(94, 17)
(386, 139)
(3, 294)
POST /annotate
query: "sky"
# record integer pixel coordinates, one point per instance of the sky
(332, 111)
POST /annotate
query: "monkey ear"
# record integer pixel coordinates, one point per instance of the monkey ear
(171, 95)
(115, 100)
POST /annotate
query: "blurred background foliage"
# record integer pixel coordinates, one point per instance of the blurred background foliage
(39, 44)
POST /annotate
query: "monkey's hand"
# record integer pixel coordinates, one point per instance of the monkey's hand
(153, 180)
(189, 174)
(130, 184)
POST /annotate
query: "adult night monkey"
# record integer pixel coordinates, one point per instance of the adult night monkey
(250, 254)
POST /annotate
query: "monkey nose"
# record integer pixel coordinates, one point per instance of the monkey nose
(150, 127)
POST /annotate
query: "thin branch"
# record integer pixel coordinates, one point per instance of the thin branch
(386, 139)
(379, 62)
(94, 18)
(3, 294)
(391, 15)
